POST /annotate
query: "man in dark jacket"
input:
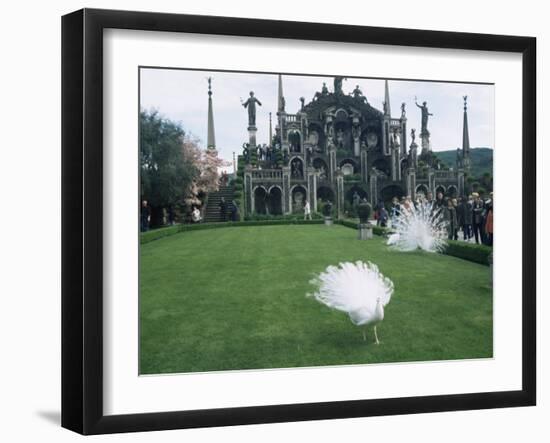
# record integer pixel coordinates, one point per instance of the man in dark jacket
(465, 210)
(223, 209)
(477, 218)
(144, 216)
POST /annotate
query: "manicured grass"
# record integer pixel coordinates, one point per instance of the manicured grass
(235, 298)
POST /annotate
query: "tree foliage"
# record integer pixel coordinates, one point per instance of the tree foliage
(166, 172)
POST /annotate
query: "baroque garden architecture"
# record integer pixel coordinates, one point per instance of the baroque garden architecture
(338, 147)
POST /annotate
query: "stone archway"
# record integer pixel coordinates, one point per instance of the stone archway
(321, 166)
(452, 191)
(353, 190)
(389, 192)
(349, 166)
(298, 197)
(422, 189)
(260, 200)
(297, 168)
(439, 189)
(275, 200)
(382, 165)
(324, 193)
(294, 140)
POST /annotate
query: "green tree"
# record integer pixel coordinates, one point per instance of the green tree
(166, 173)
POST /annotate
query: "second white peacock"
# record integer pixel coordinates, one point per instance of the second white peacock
(358, 289)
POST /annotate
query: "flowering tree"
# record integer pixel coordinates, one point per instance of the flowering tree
(207, 163)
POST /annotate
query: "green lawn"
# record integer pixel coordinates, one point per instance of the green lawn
(234, 298)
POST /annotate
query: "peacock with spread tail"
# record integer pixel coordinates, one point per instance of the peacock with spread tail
(358, 289)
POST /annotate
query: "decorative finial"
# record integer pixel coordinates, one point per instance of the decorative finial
(465, 97)
(210, 86)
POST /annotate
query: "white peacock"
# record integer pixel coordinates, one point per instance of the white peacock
(358, 289)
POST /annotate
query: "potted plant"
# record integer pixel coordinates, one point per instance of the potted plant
(364, 210)
(327, 212)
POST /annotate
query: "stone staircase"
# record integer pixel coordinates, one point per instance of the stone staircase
(212, 211)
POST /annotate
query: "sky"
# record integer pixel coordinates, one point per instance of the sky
(182, 96)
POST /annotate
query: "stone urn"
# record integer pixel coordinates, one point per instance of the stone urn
(327, 213)
(364, 210)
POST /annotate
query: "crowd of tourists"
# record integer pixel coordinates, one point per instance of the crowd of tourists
(467, 218)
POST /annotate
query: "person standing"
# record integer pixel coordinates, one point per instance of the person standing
(234, 211)
(395, 210)
(460, 216)
(145, 216)
(223, 209)
(477, 217)
(307, 211)
(449, 216)
(383, 217)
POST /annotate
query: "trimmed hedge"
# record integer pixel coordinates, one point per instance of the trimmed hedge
(376, 230)
(287, 217)
(469, 251)
(149, 236)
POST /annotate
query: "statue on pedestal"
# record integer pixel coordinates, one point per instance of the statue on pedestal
(425, 115)
(251, 105)
(338, 85)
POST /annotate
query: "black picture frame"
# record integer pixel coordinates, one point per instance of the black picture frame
(82, 215)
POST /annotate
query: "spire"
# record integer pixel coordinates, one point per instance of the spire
(211, 140)
(465, 135)
(270, 131)
(281, 98)
(387, 109)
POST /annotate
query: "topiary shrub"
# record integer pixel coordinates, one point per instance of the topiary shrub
(364, 210)
(481, 254)
(327, 209)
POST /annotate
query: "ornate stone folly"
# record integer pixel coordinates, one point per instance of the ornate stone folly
(336, 146)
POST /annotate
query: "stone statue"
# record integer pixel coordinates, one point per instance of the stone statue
(413, 134)
(338, 85)
(356, 132)
(395, 139)
(385, 107)
(425, 115)
(403, 114)
(357, 93)
(251, 104)
(324, 89)
(302, 101)
(340, 138)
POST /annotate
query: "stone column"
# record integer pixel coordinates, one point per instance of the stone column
(287, 208)
(252, 136)
(340, 193)
(431, 181)
(312, 187)
(425, 142)
(404, 136)
(332, 163)
(373, 197)
(364, 165)
(411, 182)
(460, 180)
(249, 198)
(394, 160)
(386, 136)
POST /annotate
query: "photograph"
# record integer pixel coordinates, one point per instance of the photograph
(303, 220)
